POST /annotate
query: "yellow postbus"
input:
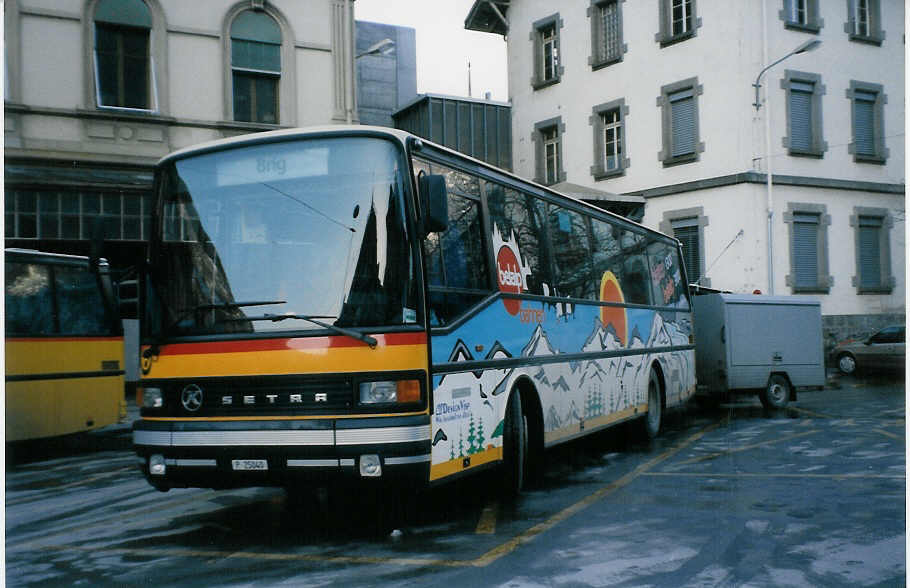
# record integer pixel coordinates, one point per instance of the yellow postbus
(356, 304)
(64, 346)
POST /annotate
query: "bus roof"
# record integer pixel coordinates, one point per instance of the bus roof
(283, 135)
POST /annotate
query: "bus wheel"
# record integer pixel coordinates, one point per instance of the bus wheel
(777, 393)
(515, 447)
(652, 422)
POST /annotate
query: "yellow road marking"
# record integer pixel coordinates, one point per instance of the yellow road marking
(810, 413)
(79, 482)
(487, 523)
(744, 448)
(887, 434)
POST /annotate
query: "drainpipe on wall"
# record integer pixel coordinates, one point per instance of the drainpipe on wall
(768, 169)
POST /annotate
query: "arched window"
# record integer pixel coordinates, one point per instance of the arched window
(255, 67)
(123, 72)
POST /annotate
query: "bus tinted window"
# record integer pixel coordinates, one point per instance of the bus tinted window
(79, 305)
(29, 300)
(571, 253)
(622, 253)
(667, 285)
(517, 217)
(456, 259)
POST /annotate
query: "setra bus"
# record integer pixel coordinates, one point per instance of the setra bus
(357, 304)
(64, 346)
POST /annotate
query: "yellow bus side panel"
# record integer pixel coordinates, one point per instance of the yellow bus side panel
(59, 405)
(454, 466)
(595, 423)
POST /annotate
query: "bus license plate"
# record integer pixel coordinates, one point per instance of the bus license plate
(247, 465)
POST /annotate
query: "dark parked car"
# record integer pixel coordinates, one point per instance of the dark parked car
(883, 350)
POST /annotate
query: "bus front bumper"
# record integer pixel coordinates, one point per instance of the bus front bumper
(230, 454)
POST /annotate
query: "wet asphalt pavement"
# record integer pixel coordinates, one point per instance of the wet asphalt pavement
(732, 496)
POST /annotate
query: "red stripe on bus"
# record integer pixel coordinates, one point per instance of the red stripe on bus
(249, 345)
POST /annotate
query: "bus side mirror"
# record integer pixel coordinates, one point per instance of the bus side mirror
(433, 202)
(128, 296)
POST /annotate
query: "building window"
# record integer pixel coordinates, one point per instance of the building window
(808, 248)
(607, 45)
(67, 215)
(677, 21)
(864, 21)
(608, 121)
(688, 226)
(255, 67)
(679, 113)
(545, 37)
(547, 138)
(867, 122)
(802, 15)
(123, 71)
(872, 228)
(804, 114)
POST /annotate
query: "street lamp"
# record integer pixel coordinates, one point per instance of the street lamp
(809, 45)
(383, 47)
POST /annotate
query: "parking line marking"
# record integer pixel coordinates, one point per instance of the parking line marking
(887, 434)
(744, 448)
(487, 523)
(810, 413)
(482, 561)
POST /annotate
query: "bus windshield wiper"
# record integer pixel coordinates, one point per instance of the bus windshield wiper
(220, 306)
(371, 341)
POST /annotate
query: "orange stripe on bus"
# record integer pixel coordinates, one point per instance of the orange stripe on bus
(285, 344)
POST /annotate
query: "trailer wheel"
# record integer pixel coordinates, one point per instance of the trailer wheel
(652, 421)
(777, 393)
(515, 447)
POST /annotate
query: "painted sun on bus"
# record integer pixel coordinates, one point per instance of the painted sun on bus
(359, 306)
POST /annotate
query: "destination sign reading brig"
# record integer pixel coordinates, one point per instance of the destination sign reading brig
(272, 164)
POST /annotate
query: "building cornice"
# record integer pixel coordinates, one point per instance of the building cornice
(144, 118)
(778, 180)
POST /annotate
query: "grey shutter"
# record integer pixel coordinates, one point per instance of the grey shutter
(801, 115)
(870, 261)
(805, 250)
(686, 230)
(682, 123)
(864, 122)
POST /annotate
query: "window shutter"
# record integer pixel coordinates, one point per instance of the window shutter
(682, 123)
(805, 250)
(686, 230)
(864, 122)
(870, 261)
(801, 115)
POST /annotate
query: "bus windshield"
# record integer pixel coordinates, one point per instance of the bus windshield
(280, 236)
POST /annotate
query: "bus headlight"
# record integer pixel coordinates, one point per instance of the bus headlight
(152, 398)
(390, 392)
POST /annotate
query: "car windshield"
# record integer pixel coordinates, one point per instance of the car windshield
(271, 236)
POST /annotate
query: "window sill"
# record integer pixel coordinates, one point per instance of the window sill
(806, 28)
(539, 85)
(596, 65)
(873, 159)
(874, 291)
(814, 153)
(681, 159)
(867, 39)
(599, 175)
(811, 290)
(666, 41)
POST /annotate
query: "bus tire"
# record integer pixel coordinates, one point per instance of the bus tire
(514, 447)
(653, 419)
(776, 394)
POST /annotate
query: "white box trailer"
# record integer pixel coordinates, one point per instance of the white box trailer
(770, 345)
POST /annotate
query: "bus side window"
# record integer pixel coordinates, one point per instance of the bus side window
(667, 288)
(571, 254)
(79, 304)
(29, 299)
(519, 217)
(456, 259)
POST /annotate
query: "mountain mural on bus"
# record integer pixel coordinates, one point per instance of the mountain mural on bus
(576, 394)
